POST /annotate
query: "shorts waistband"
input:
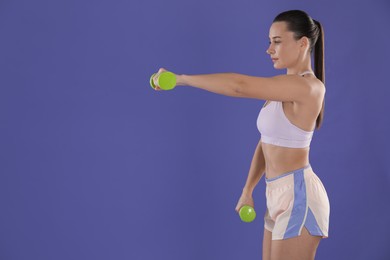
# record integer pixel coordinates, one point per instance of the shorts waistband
(287, 174)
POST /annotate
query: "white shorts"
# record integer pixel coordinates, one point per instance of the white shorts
(295, 200)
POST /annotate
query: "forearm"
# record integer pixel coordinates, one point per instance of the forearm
(256, 170)
(226, 84)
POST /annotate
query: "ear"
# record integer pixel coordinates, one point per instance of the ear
(304, 41)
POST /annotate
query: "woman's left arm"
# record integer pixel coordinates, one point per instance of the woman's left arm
(278, 88)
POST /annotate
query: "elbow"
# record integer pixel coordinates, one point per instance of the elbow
(239, 86)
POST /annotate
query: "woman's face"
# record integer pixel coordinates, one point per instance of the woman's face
(283, 49)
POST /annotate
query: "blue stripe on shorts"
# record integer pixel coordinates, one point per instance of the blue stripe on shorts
(300, 211)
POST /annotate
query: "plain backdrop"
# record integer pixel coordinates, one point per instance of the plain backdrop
(94, 164)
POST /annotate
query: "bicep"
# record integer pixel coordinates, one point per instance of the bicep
(279, 88)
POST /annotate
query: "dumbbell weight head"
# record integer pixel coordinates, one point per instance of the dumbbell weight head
(247, 213)
(166, 80)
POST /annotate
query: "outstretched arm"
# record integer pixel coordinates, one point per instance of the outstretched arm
(278, 88)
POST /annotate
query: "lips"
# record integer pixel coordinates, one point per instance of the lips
(274, 59)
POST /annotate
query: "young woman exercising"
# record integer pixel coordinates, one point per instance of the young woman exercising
(297, 214)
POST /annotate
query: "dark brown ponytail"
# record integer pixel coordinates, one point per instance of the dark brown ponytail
(319, 66)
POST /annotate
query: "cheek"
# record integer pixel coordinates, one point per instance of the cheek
(283, 52)
(287, 54)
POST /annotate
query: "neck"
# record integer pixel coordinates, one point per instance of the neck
(301, 66)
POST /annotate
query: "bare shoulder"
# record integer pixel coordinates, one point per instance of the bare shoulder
(314, 100)
(304, 112)
(310, 83)
(317, 87)
(309, 86)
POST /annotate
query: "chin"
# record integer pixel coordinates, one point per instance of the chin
(278, 67)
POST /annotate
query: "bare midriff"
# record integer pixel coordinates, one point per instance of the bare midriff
(280, 160)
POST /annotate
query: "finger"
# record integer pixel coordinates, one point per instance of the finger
(155, 80)
(161, 70)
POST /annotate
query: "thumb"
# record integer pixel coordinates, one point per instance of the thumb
(239, 206)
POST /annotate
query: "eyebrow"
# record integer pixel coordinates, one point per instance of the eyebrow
(276, 37)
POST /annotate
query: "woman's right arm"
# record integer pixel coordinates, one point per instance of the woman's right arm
(256, 171)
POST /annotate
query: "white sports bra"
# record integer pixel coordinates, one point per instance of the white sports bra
(276, 129)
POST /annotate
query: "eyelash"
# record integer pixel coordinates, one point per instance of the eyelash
(276, 42)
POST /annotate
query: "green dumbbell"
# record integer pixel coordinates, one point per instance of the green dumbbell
(247, 213)
(166, 80)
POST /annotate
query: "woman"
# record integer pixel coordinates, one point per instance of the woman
(297, 215)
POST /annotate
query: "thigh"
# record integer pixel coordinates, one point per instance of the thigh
(303, 247)
(267, 240)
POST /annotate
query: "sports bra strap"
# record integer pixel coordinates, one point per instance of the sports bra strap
(306, 72)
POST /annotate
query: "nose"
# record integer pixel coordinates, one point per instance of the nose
(270, 51)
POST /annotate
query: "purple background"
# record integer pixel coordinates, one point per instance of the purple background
(94, 164)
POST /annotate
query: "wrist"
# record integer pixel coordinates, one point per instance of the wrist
(180, 80)
(247, 191)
